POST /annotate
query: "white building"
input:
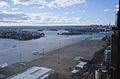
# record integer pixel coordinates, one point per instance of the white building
(80, 65)
(34, 73)
(74, 71)
(97, 74)
(107, 54)
(3, 65)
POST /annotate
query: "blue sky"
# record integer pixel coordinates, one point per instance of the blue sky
(57, 12)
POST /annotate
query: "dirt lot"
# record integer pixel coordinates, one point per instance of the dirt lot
(61, 60)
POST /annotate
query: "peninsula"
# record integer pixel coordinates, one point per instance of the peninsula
(20, 34)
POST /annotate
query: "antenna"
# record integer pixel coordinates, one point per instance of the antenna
(20, 57)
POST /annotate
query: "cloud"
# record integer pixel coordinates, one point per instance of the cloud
(49, 18)
(66, 13)
(41, 7)
(51, 4)
(32, 18)
(117, 8)
(64, 3)
(106, 10)
(83, 11)
(72, 12)
(28, 2)
(14, 9)
(13, 12)
(12, 16)
(78, 18)
(4, 0)
(3, 3)
(24, 2)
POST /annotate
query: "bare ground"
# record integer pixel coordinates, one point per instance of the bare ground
(61, 60)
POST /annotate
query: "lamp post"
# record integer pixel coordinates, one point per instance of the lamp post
(43, 51)
(20, 57)
(59, 52)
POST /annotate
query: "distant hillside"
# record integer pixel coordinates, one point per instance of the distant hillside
(54, 27)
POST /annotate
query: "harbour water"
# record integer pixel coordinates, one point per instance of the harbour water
(12, 51)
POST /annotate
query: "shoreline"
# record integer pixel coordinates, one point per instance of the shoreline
(65, 55)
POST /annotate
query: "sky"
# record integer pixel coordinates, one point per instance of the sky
(57, 12)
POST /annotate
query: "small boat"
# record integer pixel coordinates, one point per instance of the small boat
(36, 53)
(14, 46)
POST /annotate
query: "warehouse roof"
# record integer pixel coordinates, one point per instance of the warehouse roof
(33, 73)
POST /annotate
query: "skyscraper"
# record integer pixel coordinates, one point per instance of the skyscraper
(115, 52)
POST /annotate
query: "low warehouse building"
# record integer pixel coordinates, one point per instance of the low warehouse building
(34, 73)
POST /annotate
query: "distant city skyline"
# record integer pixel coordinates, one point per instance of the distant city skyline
(57, 12)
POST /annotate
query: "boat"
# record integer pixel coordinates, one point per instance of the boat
(14, 46)
(36, 53)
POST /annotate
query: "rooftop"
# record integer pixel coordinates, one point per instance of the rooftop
(33, 73)
(81, 64)
(3, 65)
